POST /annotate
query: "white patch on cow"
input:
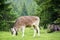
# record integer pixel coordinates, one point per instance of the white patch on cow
(23, 29)
(38, 31)
(34, 33)
(14, 32)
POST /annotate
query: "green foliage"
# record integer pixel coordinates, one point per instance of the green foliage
(5, 15)
(22, 6)
(24, 11)
(57, 21)
(48, 10)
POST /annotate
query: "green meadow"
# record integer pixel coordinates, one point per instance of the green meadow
(29, 35)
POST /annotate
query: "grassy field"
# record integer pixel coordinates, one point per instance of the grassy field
(29, 35)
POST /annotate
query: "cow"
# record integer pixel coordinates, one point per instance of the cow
(26, 21)
(53, 27)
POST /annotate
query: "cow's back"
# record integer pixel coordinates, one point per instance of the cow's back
(26, 20)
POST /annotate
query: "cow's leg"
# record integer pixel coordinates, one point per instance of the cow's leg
(36, 28)
(34, 32)
(23, 28)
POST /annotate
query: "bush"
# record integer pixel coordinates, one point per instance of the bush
(5, 26)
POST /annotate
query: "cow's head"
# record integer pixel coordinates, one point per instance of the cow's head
(13, 31)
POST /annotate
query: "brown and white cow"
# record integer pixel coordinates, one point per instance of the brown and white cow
(24, 21)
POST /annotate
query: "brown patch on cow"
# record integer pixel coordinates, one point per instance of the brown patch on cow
(25, 21)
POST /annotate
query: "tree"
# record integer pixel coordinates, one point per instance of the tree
(48, 10)
(5, 14)
(56, 10)
(24, 11)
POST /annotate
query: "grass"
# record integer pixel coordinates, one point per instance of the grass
(29, 35)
